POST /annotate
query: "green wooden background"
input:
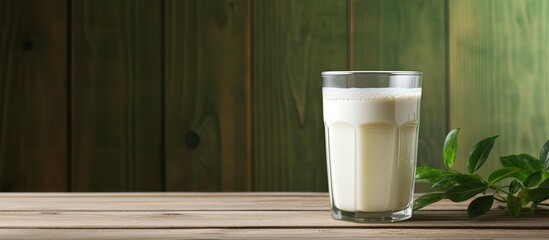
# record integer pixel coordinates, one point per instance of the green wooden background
(224, 95)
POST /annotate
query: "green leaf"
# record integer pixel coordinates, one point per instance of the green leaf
(480, 206)
(504, 173)
(443, 185)
(480, 153)
(514, 186)
(523, 196)
(430, 175)
(513, 205)
(532, 179)
(522, 161)
(467, 179)
(538, 194)
(544, 184)
(450, 147)
(451, 179)
(529, 188)
(544, 156)
(460, 193)
(427, 199)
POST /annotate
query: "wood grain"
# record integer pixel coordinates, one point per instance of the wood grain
(241, 201)
(33, 99)
(116, 95)
(496, 219)
(498, 55)
(165, 202)
(216, 215)
(224, 95)
(270, 233)
(406, 35)
(293, 42)
(208, 101)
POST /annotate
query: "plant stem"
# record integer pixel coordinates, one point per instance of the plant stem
(497, 198)
(499, 190)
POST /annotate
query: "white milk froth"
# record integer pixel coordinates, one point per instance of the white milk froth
(371, 136)
(368, 94)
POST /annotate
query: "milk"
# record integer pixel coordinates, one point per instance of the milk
(371, 140)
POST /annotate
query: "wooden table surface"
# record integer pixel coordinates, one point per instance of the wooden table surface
(237, 216)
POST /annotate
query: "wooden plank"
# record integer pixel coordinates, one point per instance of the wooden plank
(294, 42)
(112, 218)
(269, 233)
(208, 113)
(256, 219)
(184, 202)
(33, 96)
(164, 202)
(498, 55)
(116, 95)
(164, 194)
(406, 35)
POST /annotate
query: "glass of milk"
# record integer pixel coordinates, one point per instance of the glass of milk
(371, 120)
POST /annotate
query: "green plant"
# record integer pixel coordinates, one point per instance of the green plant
(528, 189)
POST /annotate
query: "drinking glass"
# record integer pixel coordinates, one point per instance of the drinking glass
(371, 120)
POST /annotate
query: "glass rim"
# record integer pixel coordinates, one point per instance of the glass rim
(375, 73)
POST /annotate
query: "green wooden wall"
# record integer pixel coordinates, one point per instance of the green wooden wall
(499, 74)
(224, 95)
